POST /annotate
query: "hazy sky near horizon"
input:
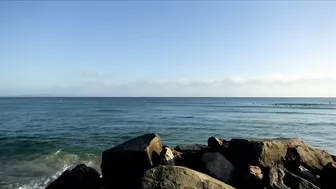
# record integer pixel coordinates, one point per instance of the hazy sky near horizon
(178, 48)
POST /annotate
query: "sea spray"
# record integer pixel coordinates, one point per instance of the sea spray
(46, 168)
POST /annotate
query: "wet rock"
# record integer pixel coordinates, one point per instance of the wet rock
(80, 177)
(328, 176)
(125, 163)
(169, 177)
(282, 179)
(268, 153)
(217, 166)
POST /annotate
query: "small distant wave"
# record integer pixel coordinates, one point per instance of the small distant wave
(153, 102)
(110, 110)
(185, 117)
(301, 104)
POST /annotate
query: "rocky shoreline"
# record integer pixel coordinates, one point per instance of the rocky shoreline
(144, 163)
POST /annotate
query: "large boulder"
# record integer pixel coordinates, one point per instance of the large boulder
(282, 179)
(169, 177)
(217, 166)
(125, 163)
(80, 177)
(328, 176)
(268, 153)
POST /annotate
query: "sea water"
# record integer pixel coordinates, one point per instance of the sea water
(42, 137)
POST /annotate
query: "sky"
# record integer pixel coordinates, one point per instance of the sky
(168, 48)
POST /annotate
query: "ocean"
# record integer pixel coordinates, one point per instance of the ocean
(41, 137)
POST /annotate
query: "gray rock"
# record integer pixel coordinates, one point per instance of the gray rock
(125, 163)
(176, 177)
(217, 166)
(191, 148)
(191, 155)
(80, 177)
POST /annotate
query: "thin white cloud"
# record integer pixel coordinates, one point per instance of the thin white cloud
(317, 84)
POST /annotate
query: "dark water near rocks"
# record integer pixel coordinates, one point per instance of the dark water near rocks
(41, 137)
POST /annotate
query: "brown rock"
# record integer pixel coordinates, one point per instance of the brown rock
(249, 178)
(328, 176)
(125, 163)
(268, 153)
(167, 156)
(176, 177)
(254, 173)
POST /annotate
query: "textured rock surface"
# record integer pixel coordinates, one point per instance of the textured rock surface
(254, 173)
(217, 166)
(127, 162)
(80, 177)
(276, 152)
(167, 157)
(282, 179)
(176, 177)
(306, 174)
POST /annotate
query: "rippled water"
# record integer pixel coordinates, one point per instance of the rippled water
(41, 137)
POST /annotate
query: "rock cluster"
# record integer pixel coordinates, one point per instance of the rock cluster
(143, 163)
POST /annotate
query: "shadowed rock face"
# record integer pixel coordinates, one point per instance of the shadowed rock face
(80, 177)
(127, 162)
(171, 177)
(217, 166)
(218, 144)
(328, 176)
(276, 152)
(191, 148)
(282, 179)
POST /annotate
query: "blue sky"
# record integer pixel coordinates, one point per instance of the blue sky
(179, 48)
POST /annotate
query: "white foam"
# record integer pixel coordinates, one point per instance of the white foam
(45, 169)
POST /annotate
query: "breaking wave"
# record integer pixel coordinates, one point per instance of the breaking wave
(39, 172)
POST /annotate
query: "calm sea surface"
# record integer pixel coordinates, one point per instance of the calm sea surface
(41, 137)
